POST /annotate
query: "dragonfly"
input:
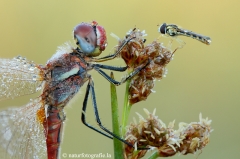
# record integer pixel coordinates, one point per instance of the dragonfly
(173, 30)
(35, 130)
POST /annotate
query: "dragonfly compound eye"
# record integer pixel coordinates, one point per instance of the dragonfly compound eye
(85, 37)
(82, 29)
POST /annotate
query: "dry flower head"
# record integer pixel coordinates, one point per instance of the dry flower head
(153, 133)
(135, 53)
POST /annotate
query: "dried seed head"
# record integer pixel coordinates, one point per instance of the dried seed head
(152, 132)
(196, 135)
(135, 54)
(140, 89)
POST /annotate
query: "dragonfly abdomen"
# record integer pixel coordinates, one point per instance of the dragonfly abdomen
(53, 130)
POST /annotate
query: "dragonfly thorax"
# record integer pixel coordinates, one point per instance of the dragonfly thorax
(68, 73)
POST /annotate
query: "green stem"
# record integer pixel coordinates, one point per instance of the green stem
(154, 155)
(118, 147)
(126, 108)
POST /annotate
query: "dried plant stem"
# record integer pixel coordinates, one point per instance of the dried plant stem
(118, 146)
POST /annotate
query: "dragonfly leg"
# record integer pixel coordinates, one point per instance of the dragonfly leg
(90, 88)
(112, 56)
(83, 118)
(113, 68)
(136, 71)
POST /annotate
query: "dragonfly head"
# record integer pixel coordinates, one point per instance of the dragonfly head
(90, 38)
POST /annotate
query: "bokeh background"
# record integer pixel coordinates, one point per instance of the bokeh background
(201, 78)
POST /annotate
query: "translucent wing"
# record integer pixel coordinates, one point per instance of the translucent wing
(18, 77)
(22, 135)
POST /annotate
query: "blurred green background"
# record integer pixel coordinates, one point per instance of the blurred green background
(201, 78)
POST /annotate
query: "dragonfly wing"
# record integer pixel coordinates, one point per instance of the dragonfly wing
(22, 135)
(19, 77)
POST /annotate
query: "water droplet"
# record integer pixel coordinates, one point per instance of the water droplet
(31, 68)
(24, 64)
(24, 59)
(38, 88)
(34, 77)
(18, 58)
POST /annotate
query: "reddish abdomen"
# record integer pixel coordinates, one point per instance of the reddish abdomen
(53, 131)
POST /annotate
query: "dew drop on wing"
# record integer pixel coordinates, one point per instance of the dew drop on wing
(18, 58)
(39, 88)
(31, 67)
(34, 78)
(24, 64)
